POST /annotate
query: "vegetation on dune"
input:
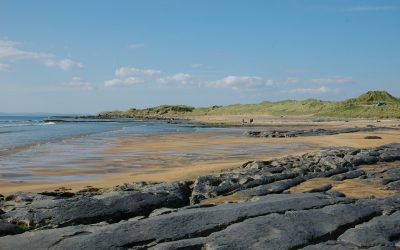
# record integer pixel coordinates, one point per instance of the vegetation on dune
(159, 110)
(372, 104)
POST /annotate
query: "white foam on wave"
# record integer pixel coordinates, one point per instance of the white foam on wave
(26, 124)
(48, 123)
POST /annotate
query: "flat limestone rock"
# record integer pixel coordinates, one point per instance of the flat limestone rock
(273, 188)
(7, 228)
(337, 245)
(395, 185)
(290, 230)
(310, 132)
(110, 206)
(182, 224)
(380, 231)
(348, 175)
(323, 188)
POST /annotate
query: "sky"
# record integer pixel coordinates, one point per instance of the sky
(87, 56)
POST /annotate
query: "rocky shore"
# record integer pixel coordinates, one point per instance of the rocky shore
(179, 215)
(312, 132)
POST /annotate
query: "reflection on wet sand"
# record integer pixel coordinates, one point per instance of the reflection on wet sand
(175, 156)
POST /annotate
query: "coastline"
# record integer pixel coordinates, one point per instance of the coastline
(173, 168)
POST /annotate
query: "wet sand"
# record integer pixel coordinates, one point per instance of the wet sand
(186, 155)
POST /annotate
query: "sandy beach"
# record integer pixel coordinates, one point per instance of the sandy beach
(186, 155)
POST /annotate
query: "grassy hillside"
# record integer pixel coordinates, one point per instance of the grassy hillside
(372, 104)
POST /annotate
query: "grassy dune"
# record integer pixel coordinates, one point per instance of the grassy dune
(372, 104)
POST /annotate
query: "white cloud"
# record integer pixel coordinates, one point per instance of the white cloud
(4, 67)
(113, 82)
(320, 90)
(133, 80)
(237, 82)
(9, 50)
(181, 78)
(289, 80)
(131, 71)
(77, 83)
(67, 64)
(130, 76)
(196, 65)
(270, 82)
(366, 8)
(130, 81)
(333, 80)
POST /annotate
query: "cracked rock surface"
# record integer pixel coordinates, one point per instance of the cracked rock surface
(313, 132)
(173, 215)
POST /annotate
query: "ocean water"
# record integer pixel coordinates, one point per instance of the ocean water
(29, 144)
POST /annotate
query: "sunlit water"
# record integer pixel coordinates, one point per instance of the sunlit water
(29, 144)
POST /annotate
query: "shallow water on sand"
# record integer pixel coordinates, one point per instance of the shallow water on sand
(33, 150)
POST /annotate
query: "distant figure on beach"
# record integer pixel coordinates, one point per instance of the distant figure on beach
(251, 120)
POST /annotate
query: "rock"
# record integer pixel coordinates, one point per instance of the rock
(395, 185)
(265, 179)
(360, 159)
(161, 211)
(325, 163)
(312, 132)
(384, 177)
(324, 188)
(327, 173)
(290, 230)
(348, 175)
(182, 224)
(111, 206)
(390, 155)
(7, 228)
(337, 194)
(330, 162)
(273, 188)
(380, 231)
(373, 137)
(59, 194)
(337, 245)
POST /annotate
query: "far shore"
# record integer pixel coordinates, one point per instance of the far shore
(244, 121)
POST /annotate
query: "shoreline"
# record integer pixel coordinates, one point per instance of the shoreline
(187, 169)
(236, 120)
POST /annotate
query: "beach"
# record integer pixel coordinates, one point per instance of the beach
(197, 185)
(184, 155)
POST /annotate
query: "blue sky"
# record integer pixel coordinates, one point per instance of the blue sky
(88, 56)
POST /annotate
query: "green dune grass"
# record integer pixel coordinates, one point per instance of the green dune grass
(372, 104)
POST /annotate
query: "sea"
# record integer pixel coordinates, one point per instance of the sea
(33, 142)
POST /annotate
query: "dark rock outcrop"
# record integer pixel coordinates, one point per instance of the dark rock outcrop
(40, 211)
(313, 132)
(277, 175)
(372, 137)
